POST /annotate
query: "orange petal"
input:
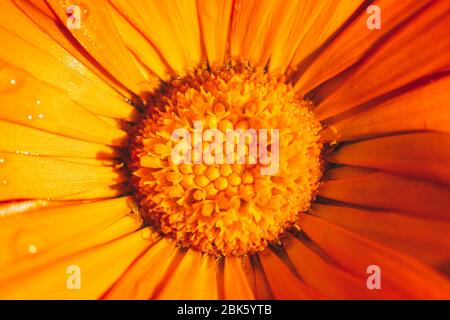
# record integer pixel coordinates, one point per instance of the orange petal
(92, 161)
(50, 229)
(98, 35)
(148, 273)
(417, 155)
(215, 19)
(141, 49)
(40, 13)
(252, 25)
(423, 239)
(96, 272)
(354, 42)
(49, 144)
(399, 274)
(236, 285)
(172, 27)
(312, 22)
(345, 172)
(325, 276)
(282, 281)
(34, 177)
(36, 104)
(422, 108)
(195, 278)
(23, 43)
(390, 192)
(257, 278)
(398, 61)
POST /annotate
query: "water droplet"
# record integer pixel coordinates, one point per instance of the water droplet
(32, 249)
(13, 81)
(26, 153)
(41, 116)
(4, 182)
(30, 117)
(26, 241)
(2, 160)
(38, 102)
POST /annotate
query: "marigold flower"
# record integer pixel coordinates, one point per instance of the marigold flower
(94, 204)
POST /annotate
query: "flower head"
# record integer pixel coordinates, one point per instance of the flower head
(205, 149)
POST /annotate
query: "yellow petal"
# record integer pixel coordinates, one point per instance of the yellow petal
(23, 44)
(99, 36)
(49, 144)
(140, 47)
(103, 192)
(34, 177)
(40, 13)
(250, 29)
(215, 17)
(34, 103)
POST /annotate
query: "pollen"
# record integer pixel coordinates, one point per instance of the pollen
(233, 205)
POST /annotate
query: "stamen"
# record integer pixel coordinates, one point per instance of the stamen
(227, 208)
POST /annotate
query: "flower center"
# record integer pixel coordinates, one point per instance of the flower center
(225, 160)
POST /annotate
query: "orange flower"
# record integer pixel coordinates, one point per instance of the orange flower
(92, 206)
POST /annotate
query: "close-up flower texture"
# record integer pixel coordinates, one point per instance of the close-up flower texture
(354, 98)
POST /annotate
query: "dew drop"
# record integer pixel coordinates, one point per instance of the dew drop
(13, 81)
(38, 102)
(41, 116)
(4, 182)
(32, 249)
(2, 160)
(30, 117)
(26, 241)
